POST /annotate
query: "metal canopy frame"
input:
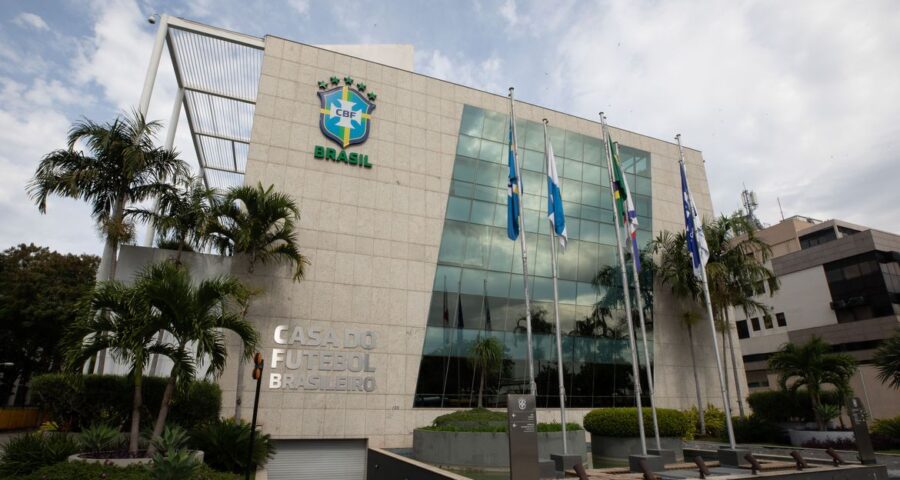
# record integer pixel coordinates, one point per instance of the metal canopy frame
(218, 73)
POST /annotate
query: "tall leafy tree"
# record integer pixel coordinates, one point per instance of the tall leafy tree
(887, 360)
(120, 166)
(812, 365)
(258, 224)
(194, 318)
(39, 294)
(126, 328)
(183, 215)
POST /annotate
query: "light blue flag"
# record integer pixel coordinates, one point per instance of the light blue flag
(554, 198)
(512, 199)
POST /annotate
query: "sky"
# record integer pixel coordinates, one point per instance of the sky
(798, 100)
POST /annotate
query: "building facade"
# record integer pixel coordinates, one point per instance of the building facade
(401, 180)
(838, 281)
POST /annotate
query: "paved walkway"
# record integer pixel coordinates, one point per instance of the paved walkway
(891, 461)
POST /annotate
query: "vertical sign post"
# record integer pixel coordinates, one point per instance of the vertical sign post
(523, 445)
(257, 375)
(858, 417)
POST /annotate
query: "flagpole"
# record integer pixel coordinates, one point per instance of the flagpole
(554, 259)
(634, 360)
(450, 348)
(712, 322)
(649, 368)
(515, 149)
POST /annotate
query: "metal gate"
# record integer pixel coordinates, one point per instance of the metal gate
(318, 459)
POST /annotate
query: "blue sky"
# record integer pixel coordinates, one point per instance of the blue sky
(797, 99)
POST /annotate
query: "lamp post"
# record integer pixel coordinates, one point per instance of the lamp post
(257, 375)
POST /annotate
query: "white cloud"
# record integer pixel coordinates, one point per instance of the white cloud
(797, 100)
(31, 20)
(485, 75)
(300, 6)
(509, 12)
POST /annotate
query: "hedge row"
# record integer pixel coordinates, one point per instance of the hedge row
(79, 401)
(786, 405)
(94, 471)
(622, 422)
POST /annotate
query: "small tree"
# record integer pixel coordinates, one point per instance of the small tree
(126, 328)
(487, 355)
(194, 317)
(259, 224)
(887, 359)
(812, 365)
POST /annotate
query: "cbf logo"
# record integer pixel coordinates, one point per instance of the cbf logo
(522, 404)
(346, 112)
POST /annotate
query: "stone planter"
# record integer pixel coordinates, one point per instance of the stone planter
(619, 448)
(799, 437)
(124, 462)
(486, 449)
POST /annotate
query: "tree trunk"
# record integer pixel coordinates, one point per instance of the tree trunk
(136, 404)
(725, 369)
(163, 412)
(737, 378)
(239, 388)
(697, 382)
(106, 271)
(816, 401)
(481, 389)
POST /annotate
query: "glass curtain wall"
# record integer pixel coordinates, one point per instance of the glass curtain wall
(478, 288)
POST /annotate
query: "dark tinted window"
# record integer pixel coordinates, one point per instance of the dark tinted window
(779, 317)
(767, 320)
(743, 331)
(755, 322)
(817, 238)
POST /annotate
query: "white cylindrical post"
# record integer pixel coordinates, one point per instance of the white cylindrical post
(712, 322)
(515, 150)
(634, 359)
(554, 260)
(150, 78)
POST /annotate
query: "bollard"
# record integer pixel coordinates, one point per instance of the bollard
(755, 467)
(835, 458)
(801, 463)
(701, 465)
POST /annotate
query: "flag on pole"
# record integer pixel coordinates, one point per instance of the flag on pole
(512, 199)
(696, 239)
(459, 312)
(554, 198)
(625, 204)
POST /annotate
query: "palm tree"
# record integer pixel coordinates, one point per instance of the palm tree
(812, 365)
(736, 267)
(183, 215)
(259, 224)
(126, 328)
(486, 355)
(887, 359)
(675, 271)
(122, 166)
(194, 317)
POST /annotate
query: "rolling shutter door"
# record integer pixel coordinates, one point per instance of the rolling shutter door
(318, 459)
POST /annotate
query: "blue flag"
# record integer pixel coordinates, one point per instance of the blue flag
(512, 199)
(554, 198)
(696, 239)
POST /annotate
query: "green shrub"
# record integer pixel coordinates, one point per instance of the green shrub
(712, 416)
(622, 422)
(173, 438)
(889, 427)
(225, 444)
(100, 438)
(26, 453)
(95, 471)
(78, 401)
(787, 405)
(175, 464)
(755, 429)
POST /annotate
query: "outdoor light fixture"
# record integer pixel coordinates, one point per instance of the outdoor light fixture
(152, 19)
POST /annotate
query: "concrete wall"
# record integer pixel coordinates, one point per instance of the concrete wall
(372, 236)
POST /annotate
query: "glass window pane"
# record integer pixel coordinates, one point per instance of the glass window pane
(642, 205)
(461, 189)
(492, 151)
(488, 174)
(574, 146)
(594, 152)
(590, 231)
(468, 146)
(568, 260)
(642, 186)
(464, 169)
(534, 161)
(491, 193)
(587, 295)
(482, 213)
(453, 243)
(500, 215)
(542, 252)
(535, 138)
(607, 256)
(496, 127)
(642, 165)
(593, 173)
(477, 245)
(543, 292)
(572, 169)
(607, 234)
(573, 225)
(558, 139)
(498, 284)
(446, 278)
(591, 195)
(588, 263)
(472, 121)
(458, 209)
(501, 250)
(532, 219)
(568, 292)
(571, 193)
